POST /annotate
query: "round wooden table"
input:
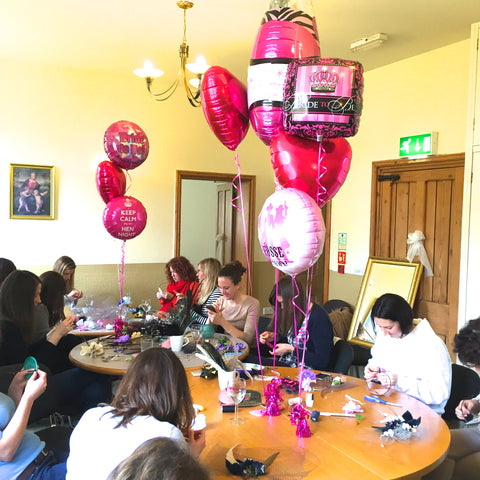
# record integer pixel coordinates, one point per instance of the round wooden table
(115, 360)
(339, 448)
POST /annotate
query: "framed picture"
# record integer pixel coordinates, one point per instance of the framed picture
(32, 192)
(382, 275)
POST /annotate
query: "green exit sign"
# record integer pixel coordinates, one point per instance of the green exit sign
(418, 145)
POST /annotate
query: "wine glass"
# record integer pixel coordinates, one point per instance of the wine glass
(237, 389)
(146, 306)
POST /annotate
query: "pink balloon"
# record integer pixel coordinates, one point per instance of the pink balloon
(124, 217)
(296, 163)
(276, 44)
(291, 230)
(126, 144)
(224, 103)
(110, 181)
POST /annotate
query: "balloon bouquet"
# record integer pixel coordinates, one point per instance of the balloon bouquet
(302, 106)
(124, 217)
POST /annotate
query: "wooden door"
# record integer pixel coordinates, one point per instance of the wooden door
(423, 195)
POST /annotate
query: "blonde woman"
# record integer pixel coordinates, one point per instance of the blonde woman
(209, 293)
(65, 266)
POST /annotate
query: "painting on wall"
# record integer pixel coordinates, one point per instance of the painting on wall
(32, 190)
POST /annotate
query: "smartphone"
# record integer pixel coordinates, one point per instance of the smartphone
(321, 376)
(211, 308)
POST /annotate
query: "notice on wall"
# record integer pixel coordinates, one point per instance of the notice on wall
(342, 252)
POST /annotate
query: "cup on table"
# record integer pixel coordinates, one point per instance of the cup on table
(224, 377)
(146, 342)
(177, 342)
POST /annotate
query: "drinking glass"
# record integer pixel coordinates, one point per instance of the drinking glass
(237, 388)
(146, 306)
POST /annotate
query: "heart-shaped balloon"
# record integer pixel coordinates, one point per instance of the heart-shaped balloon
(126, 144)
(110, 181)
(314, 168)
(224, 103)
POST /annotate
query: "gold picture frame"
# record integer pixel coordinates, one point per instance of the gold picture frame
(382, 275)
(32, 192)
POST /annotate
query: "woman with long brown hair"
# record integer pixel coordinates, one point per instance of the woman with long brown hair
(153, 400)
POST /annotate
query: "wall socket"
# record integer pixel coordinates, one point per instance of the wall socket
(267, 311)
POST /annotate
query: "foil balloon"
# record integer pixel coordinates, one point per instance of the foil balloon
(285, 34)
(323, 98)
(126, 144)
(110, 181)
(318, 169)
(124, 217)
(224, 103)
(291, 230)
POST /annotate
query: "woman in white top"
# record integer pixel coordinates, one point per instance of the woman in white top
(412, 358)
(153, 400)
(236, 312)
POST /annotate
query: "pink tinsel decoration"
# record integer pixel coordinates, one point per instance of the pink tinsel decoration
(273, 397)
(298, 417)
(119, 323)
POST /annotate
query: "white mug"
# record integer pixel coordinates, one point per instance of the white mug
(177, 342)
(224, 377)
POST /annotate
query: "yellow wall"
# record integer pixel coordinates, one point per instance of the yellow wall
(57, 116)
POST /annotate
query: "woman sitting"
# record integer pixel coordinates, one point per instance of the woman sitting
(22, 452)
(65, 266)
(409, 357)
(181, 280)
(463, 459)
(295, 331)
(236, 312)
(153, 400)
(208, 292)
(160, 459)
(6, 267)
(76, 389)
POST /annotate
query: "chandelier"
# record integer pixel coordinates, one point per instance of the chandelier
(198, 69)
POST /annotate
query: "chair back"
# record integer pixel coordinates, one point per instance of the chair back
(465, 385)
(342, 357)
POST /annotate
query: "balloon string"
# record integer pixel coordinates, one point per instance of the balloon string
(122, 271)
(321, 170)
(276, 316)
(129, 183)
(237, 185)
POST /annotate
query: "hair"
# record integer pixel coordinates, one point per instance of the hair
(16, 301)
(61, 265)
(160, 459)
(155, 384)
(211, 268)
(6, 267)
(183, 267)
(395, 308)
(233, 270)
(288, 315)
(53, 288)
(467, 343)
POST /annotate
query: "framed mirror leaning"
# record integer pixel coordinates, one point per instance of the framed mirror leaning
(382, 275)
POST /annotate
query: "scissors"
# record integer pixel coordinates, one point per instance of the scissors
(375, 399)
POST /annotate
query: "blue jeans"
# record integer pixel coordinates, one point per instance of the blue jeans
(49, 469)
(79, 390)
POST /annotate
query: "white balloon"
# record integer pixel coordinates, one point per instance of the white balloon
(291, 230)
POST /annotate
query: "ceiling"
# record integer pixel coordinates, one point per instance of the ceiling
(118, 35)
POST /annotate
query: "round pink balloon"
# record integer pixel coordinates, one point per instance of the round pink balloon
(110, 181)
(224, 103)
(291, 230)
(276, 44)
(124, 217)
(126, 144)
(296, 164)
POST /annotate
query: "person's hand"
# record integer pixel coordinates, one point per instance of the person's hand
(196, 440)
(17, 385)
(36, 385)
(282, 348)
(265, 337)
(387, 378)
(65, 326)
(216, 317)
(75, 294)
(371, 372)
(467, 407)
